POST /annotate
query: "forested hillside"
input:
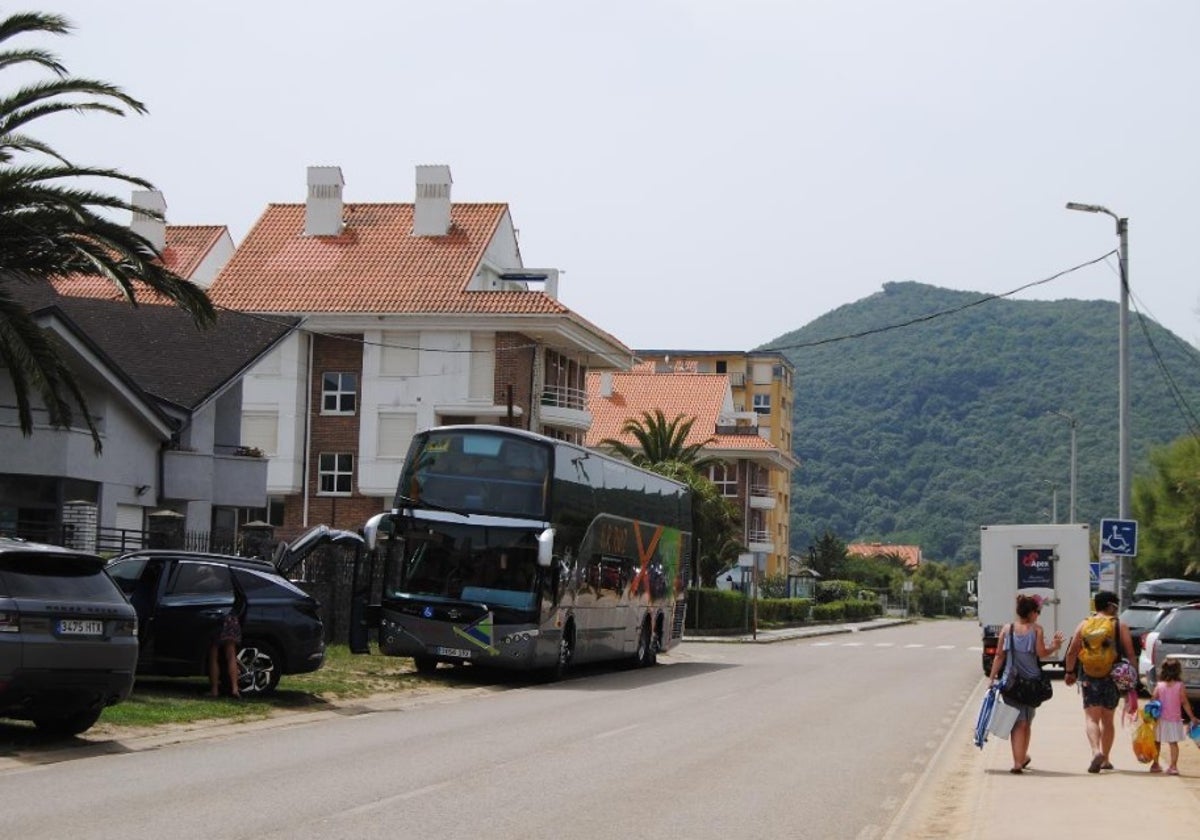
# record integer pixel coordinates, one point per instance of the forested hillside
(920, 434)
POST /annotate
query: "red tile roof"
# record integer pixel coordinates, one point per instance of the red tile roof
(699, 395)
(910, 554)
(186, 247)
(374, 265)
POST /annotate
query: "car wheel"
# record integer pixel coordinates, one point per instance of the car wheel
(258, 668)
(425, 665)
(71, 724)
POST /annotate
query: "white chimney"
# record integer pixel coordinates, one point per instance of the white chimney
(606, 389)
(145, 225)
(323, 208)
(431, 212)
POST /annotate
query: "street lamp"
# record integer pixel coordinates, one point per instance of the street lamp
(1122, 379)
(1053, 500)
(1070, 419)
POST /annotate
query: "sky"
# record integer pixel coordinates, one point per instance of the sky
(706, 175)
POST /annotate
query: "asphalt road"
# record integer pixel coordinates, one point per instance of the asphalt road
(823, 738)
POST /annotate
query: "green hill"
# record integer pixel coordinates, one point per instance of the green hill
(922, 433)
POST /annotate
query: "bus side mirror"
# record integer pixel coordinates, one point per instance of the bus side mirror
(371, 530)
(545, 550)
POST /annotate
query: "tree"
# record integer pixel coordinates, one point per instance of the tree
(659, 441)
(1166, 503)
(52, 226)
(827, 557)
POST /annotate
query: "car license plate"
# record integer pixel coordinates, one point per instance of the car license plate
(457, 653)
(80, 627)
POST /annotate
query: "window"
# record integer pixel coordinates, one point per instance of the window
(260, 430)
(395, 434)
(200, 579)
(334, 473)
(722, 366)
(338, 393)
(400, 354)
(762, 403)
(724, 476)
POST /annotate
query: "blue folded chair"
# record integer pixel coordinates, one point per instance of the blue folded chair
(985, 716)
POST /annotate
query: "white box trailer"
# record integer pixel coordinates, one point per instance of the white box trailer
(1047, 560)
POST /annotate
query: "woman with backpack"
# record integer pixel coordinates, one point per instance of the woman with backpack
(1025, 641)
(1098, 643)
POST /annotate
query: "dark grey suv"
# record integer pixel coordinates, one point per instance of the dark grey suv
(68, 637)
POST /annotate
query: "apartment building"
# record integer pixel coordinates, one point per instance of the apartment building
(752, 471)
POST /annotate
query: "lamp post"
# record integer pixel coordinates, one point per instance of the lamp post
(1070, 419)
(1122, 380)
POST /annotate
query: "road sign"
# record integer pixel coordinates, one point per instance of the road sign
(1118, 537)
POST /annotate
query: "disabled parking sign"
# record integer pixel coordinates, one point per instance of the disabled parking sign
(1118, 537)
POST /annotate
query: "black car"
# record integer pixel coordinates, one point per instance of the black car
(68, 638)
(182, 597)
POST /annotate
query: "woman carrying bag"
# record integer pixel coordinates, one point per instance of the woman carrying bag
(1025, 642)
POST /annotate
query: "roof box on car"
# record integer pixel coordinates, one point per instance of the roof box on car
(1167, 589)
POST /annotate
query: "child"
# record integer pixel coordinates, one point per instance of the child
(1169, 692)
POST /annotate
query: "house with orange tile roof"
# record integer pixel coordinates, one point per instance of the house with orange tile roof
(194, 252)
(909, 555)
(746, 460)
(415, 314)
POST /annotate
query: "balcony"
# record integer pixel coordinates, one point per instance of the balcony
(757, 540)
(565, 407)
(225, 480)
(761, 497)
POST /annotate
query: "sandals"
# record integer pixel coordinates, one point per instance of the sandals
(1026, 763)
(1172, 771)
(1155, 768)
(1097, 763)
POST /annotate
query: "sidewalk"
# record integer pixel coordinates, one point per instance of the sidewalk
(969, 793)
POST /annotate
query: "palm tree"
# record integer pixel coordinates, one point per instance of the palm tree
(51, 226)
(659, 441)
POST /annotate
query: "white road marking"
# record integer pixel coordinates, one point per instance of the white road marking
(884, 644)
(612, 732)
(400, 797)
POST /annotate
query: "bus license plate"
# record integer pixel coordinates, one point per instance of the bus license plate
(457, 653)
(80, 627)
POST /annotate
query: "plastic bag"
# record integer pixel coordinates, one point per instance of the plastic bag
(1144, 747)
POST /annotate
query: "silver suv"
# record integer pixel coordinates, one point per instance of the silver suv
(68, 637)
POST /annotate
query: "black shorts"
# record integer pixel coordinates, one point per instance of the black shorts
(1099, 691)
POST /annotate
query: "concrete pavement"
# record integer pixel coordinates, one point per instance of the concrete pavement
(967, 793)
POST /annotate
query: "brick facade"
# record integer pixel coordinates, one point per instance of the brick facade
(514, 366)
(331, 433)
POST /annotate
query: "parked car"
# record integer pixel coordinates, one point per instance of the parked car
(1167, 591)
(68, 637)
(1177, 636)
(180, 607)
(1140, 619)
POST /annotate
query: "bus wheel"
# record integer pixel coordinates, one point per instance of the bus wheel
(566, 652)
(425, 665)
(645, 656)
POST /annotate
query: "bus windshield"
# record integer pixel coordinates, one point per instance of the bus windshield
(494, 566)
(477, 472)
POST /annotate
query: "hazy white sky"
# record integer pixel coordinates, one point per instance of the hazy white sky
(708, 174)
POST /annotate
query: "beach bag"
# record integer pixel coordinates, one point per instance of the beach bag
(1098, 648)
(1019, 689)
(1004, 718)
(1027, 691)
(1124, 676)
(1144, 746)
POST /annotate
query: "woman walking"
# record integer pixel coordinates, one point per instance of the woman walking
(1024, 640)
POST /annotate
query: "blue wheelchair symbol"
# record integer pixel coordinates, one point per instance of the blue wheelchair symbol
(1118, 536)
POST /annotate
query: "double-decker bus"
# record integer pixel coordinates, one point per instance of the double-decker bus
(508, 549)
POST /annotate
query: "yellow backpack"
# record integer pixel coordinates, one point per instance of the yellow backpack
(1098, 651)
